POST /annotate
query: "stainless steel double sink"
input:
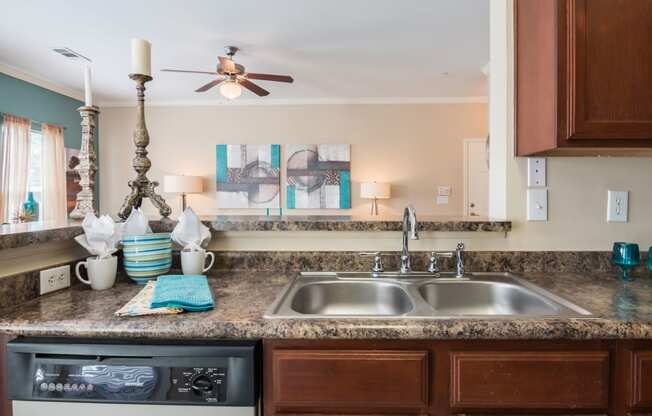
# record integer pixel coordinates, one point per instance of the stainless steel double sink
(417, 295)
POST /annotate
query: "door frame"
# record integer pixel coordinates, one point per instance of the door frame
(465, 144)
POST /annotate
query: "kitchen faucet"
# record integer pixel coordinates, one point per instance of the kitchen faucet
(434, 268)
(409, 222)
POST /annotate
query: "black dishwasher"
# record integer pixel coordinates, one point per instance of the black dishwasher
(58, 376)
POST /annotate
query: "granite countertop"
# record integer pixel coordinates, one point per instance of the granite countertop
(621, 310)
(23, 234)
(354, 223)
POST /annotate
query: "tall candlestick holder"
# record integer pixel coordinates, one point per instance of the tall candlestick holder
(87, 166)
(141, 187)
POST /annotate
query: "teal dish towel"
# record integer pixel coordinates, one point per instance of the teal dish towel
(187, 292)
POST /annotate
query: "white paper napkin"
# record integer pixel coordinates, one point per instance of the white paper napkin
(136, 224)
(190, 233)
(101, 235)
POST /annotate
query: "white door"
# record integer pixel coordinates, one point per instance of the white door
(476, 178)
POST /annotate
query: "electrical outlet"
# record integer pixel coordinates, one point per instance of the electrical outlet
(54, 279)
(536, 172)
(617, 205)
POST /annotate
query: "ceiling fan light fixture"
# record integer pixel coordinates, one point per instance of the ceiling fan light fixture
(230, 90)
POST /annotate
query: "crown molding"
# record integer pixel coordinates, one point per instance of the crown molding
(41, 82)
(302, 101)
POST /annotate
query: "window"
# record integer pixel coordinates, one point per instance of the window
(34, 178)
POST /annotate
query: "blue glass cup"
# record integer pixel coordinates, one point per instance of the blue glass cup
(626, 256)
(649, 259)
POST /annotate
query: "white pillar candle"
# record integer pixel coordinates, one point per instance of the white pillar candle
(141, 62)
(88, 93)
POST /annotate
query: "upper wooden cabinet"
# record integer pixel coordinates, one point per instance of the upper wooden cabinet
(583, 77)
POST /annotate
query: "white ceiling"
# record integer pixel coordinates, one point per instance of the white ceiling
(343, 50)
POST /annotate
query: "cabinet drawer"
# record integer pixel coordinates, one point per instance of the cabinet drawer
(530, 380)
(316, 381)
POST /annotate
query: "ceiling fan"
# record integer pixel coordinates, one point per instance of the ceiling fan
(231, 76)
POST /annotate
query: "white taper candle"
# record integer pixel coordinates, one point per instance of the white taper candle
(88, 92)
(141, 57)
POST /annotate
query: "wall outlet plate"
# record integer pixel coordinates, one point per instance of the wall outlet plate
(537, 204)
(54, 279)
(536, 172)
(617, 206)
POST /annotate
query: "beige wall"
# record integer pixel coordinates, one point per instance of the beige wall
(397, 143)
(415, 147)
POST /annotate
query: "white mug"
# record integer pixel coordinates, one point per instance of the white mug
(193, 262)
(101, 272)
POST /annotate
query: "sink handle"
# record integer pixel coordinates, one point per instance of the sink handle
(378, 261)
(433, 265)
(459, 254)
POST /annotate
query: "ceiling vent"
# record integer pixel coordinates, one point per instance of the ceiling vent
(69, 53)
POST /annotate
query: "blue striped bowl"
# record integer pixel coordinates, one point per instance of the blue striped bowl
(147, 256)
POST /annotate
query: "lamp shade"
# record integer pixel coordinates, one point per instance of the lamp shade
(230, 90)
(378, 190)
(179, 184)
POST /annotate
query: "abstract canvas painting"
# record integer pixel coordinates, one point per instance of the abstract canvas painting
(248, 176)
(318, 176)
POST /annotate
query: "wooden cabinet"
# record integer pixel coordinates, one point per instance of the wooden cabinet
(583, 72)
(518, 380)
(444, 377)
(350, 380)
(641, 380)
(634, 369)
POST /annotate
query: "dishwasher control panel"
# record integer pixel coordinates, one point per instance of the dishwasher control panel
(128, 383)
(94, 381)
(203, 374)
(198, 384)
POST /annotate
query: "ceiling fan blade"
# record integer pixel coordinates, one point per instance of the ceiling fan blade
(227, 65)
(270, 77)
(209, 85)
(189, 72)
(261, 92)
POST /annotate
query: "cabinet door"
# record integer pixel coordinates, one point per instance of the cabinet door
(641, 380)
(571, 381)
(608, 64)
(350, 381)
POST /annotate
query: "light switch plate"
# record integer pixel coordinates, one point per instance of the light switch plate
(442, 200)
(536, 172)
(617, 206)
(444, 190)
(537, 204)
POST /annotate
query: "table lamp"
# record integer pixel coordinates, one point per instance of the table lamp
(184, 185)
(375, 191)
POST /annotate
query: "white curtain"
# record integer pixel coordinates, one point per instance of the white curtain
(14, 165)
(53, 174)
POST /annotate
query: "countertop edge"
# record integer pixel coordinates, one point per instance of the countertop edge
(462, 329)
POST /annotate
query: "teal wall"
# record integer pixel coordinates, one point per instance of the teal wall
(27, 100)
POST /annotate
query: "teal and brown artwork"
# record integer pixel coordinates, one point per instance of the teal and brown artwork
(248, 175)
(318, 176)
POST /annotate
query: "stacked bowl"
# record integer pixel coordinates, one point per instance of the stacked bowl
(147, 256)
